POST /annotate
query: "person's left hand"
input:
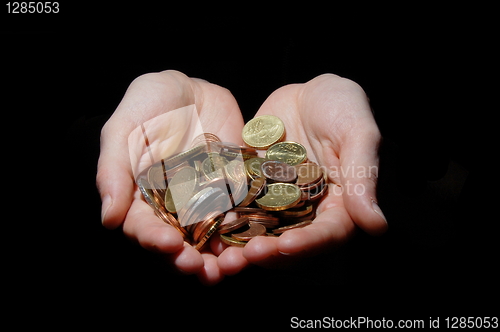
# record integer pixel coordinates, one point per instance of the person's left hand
(332, 118)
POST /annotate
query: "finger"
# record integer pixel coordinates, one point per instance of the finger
(210, 274)
(149, 231)
(260, 249)
(231, 261)
(187, 260)
(114, 181)
(216, 245)
(358, 174)
(264, 252)
(331, 228)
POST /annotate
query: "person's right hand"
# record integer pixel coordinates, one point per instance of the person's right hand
(149, 96)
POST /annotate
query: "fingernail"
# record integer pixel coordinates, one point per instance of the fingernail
(377, 210)
(106, 204)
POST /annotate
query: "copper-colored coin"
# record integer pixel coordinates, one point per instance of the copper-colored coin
(236, 179)
(234, 151)
(320, 193)
(239, 191)
(232, 225)
(208, 234)
(297, 225)
(278, 171)
(256, 187)
(267, 221)
(258, 217)
(308, 173)
(203, 226)
(245, 210)
(312, 190)
(253, 231)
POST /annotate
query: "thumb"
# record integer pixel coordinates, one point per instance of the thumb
(359, 172)
(114, 178)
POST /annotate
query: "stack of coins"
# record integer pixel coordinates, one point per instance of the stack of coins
(193, 190)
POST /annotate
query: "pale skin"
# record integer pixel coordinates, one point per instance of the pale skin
(329, 115)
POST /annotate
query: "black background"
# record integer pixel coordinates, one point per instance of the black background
(425, 73)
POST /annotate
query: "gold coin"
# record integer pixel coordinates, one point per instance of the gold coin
(181, 157)
(263, 131)
(296, 212)
(279, 196)
(235, 170)
(181, 189)
(252, 167)
(231, 241)
(212, 166)
(291, 153)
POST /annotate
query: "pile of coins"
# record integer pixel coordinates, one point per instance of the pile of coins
(194, 190)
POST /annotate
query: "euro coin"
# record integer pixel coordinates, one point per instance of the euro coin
(279, 196)
(263, 131)
(256, 187)
(278, 171)
(181, 188)
(254, 230)
(232, 241)
(212, 166)
(291, 153)
(232, 225)
(308, 173)
(252, 167)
